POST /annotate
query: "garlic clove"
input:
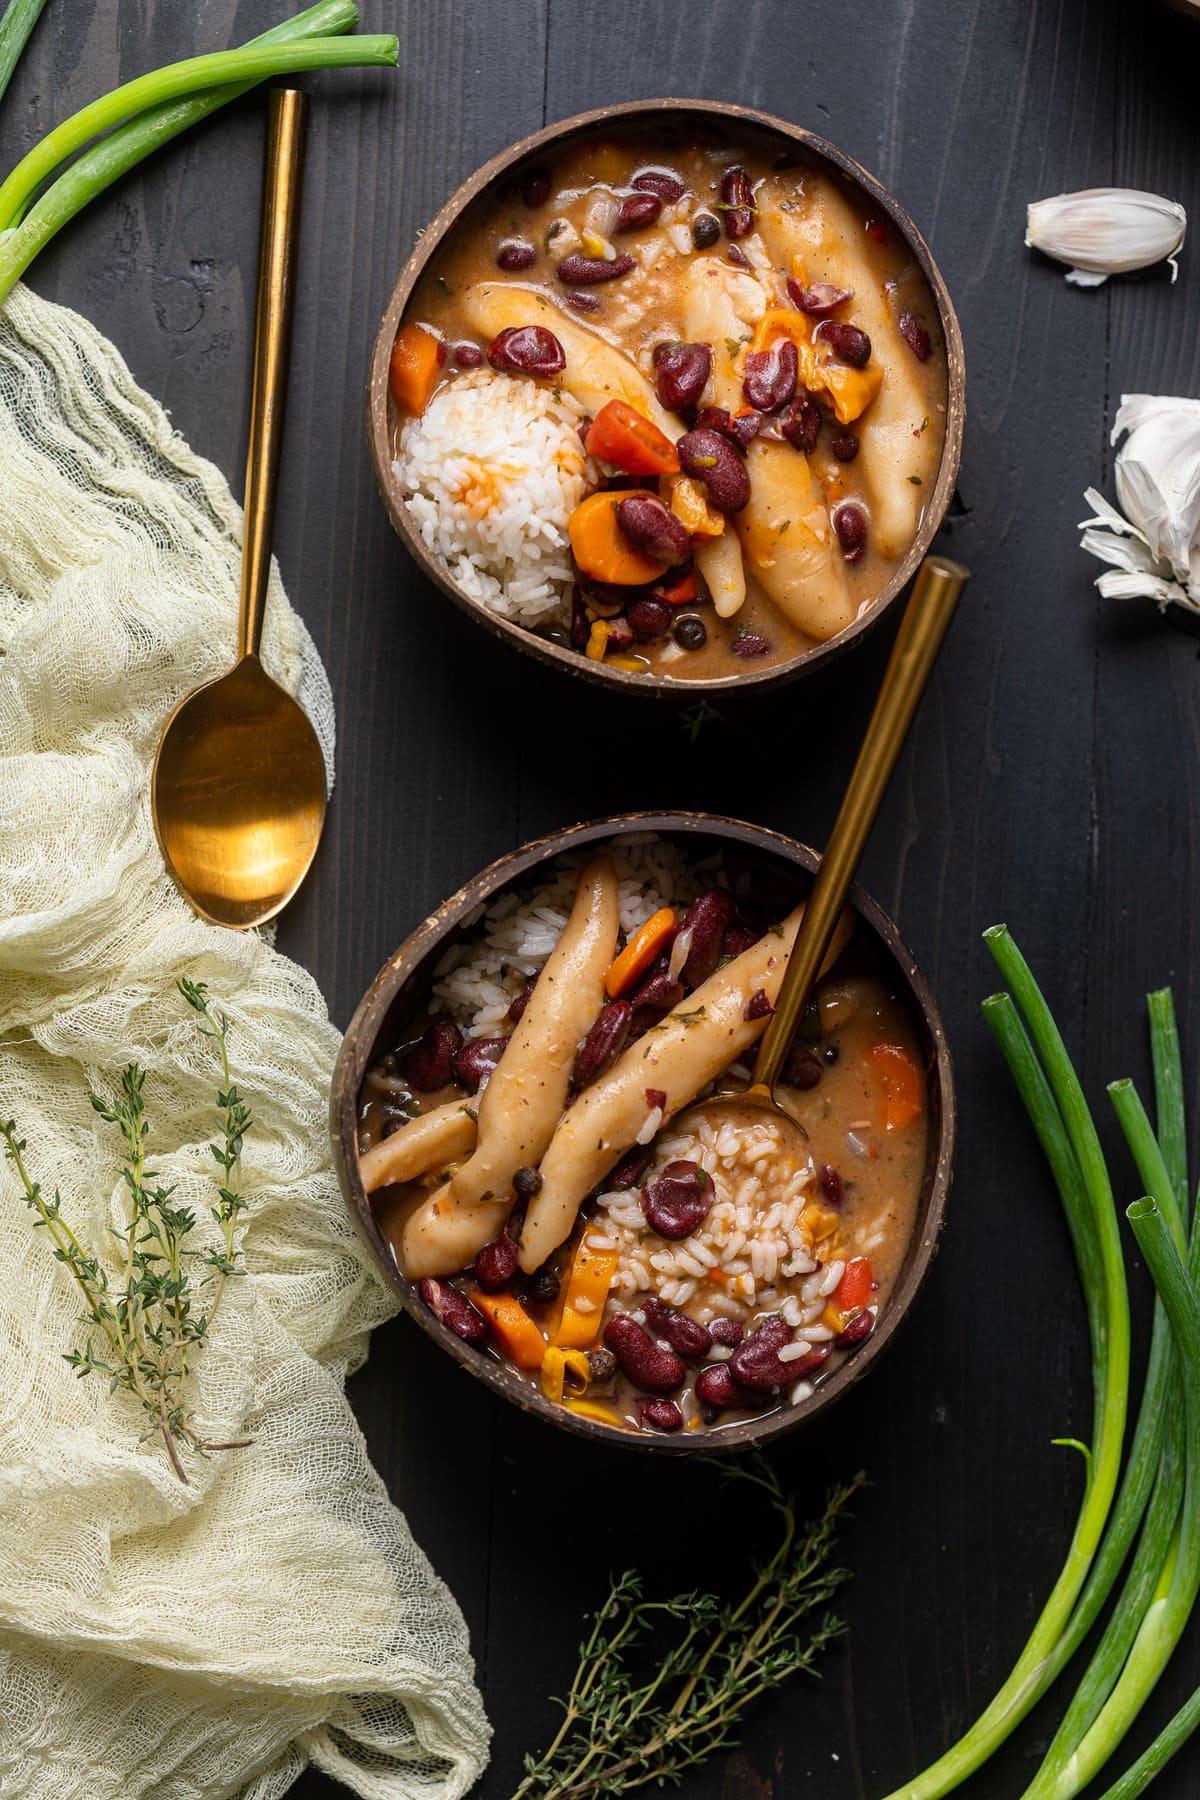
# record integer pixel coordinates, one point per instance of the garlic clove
(1106, 231)
(1153, 542)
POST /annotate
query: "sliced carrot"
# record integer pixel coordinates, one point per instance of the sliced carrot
(584, 1296)
(639, 952)
(626, 439)
(416, 357)
(514, 1330)
(903, 1087)
(678, 593)
(601, 548)
(856, 1286)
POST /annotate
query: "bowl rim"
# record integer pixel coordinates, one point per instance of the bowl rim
(560, 656)
(360, 1045)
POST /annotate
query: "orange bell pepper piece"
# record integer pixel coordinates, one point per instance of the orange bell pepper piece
(856, 1286)
(903, 1087)
(625, 438)
(584, 1297)
(416, 357)
(512, 1327)
(639, 952)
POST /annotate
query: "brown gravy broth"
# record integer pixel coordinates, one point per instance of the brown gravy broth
(868, 1142)
(804, 221)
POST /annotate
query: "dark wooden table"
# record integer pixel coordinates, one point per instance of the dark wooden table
(1050, 780)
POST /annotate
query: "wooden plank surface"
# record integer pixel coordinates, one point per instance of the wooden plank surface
(1049, 781)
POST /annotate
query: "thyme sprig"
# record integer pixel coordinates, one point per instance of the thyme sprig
(621, 1730)
(150, 1322)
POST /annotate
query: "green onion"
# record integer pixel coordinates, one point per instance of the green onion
(1088, 1201)
(1169, 1613)
(98, 167)
(15, 28)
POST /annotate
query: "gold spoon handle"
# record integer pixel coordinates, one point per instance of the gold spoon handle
(918, 641)
(282, 182)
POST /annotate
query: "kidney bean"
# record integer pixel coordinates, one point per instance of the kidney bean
(830, 1185)
(396, 1123)
(915, 336)
(453, 1310)
(678, 1201)
(647, 523)
(708, 918)
(477, 1060)
(744, 427)
(848, 343)
(748, 644)
(735, 256)
(467, 356)
(801, 423)
(584, 303)
(757, 1007)
(662, 1415)
(845, 446)
(544, 1284)
(687, 1337)
(729, 1332)
(515, 255)
(716, 1387)
(602, 1364)
(620, 635)
(527, 1184)
(659, 992)
(755, 1363)
(603, 1043)
(850, 523)
(648, 619)
(496, 1263)
(857, 1331)
(808, 1365)
(656, 1099)
(709, 458)
(655, 1371)
(819, 300)
(535, 189)
(689, 632)
(770, 378)
(800, 1068)
(876, 230)
(668, 187)
(429, 1063)
(737, 201)
(705, 231)
(739, 937)
(632, 1166)
(527, 350)
(522, 1000)
(582, 271)
(680, 373)
(638, 211)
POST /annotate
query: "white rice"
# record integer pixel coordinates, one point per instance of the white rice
(490, 473)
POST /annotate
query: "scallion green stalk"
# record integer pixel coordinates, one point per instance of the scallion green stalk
(15, 27)
(252, 64)
(1110, 1340)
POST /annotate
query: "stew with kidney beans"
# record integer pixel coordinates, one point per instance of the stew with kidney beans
(704, 1278)
(762, 380)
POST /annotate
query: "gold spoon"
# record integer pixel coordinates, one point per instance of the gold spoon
(238, 790)
(918, 641)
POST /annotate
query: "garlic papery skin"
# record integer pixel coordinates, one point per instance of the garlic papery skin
(1154, 541)
(1106, 231)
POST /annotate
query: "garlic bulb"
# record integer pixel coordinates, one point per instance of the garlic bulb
(1154, 542)
(1106, 231)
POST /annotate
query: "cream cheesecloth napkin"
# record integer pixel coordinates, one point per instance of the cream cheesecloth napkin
(155, 1639)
